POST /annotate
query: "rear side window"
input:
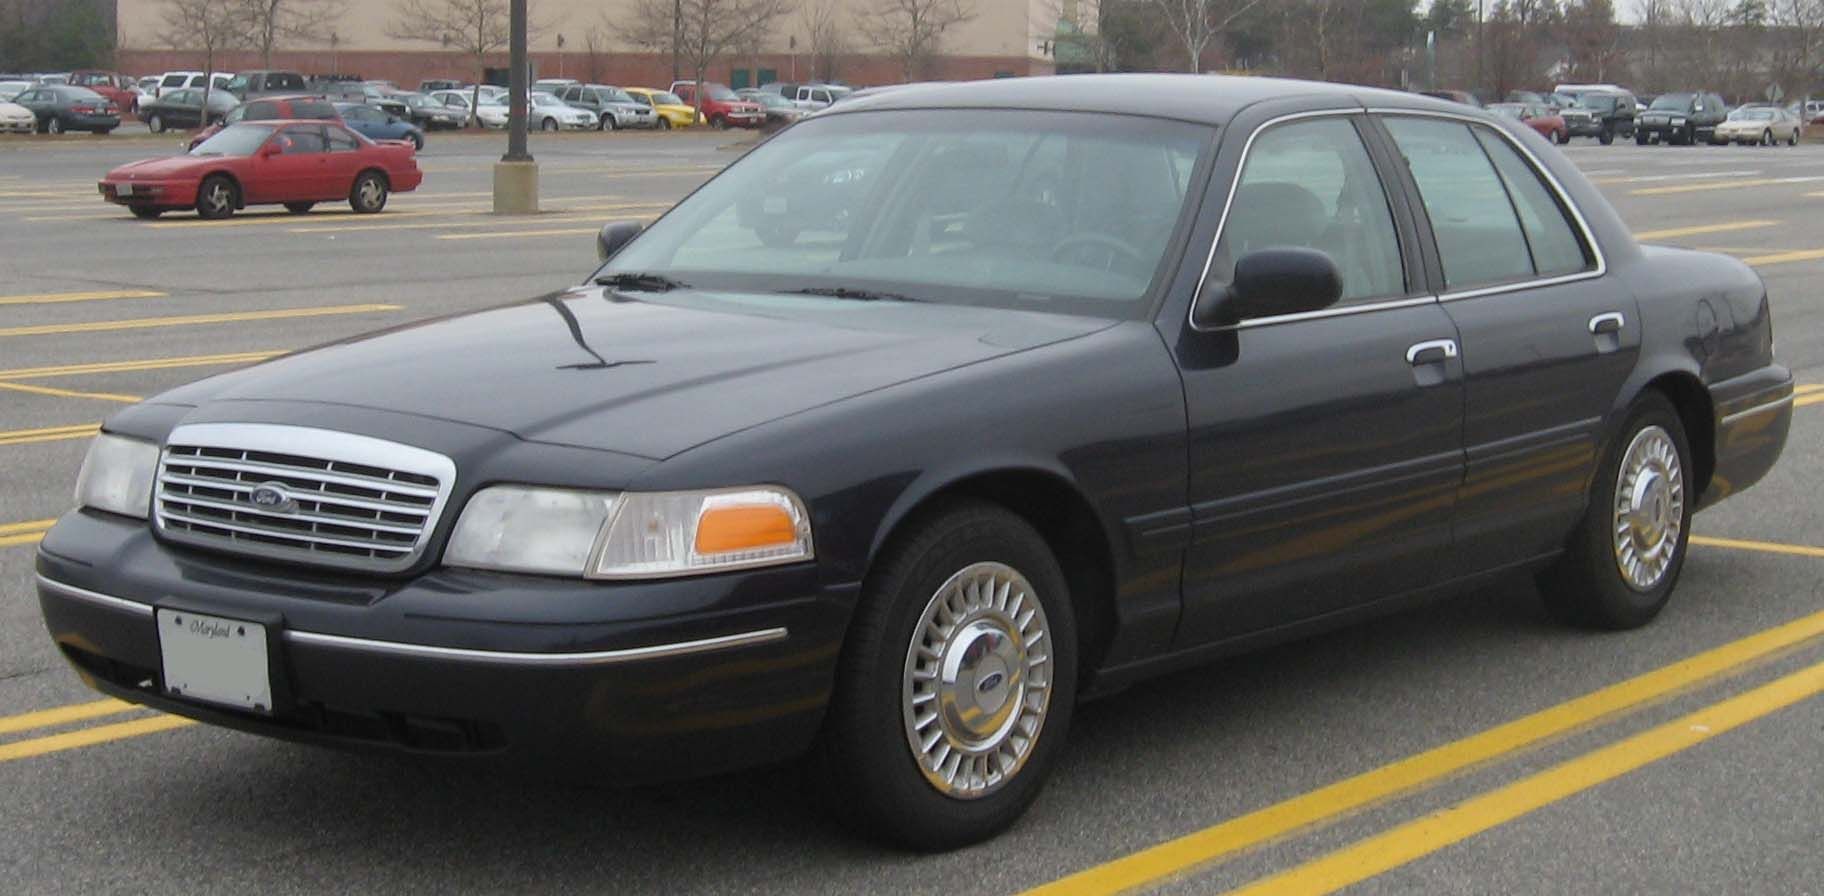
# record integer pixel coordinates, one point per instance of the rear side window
(260, 111)
(1550, 235)
(341, 140)
(1311, 184)
(1479, 238)
(284, 81)
(312, 109)
(172, 81)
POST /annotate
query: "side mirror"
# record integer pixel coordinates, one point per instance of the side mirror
(268, 150)
(614, 236)
(1272, 282)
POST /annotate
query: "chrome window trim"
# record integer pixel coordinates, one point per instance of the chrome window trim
(322, 444)
(464, 654)
(1551, 181)
(1222, 223)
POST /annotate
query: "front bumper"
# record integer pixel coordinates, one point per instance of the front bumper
(19, 126)
(155, 194)
(640, 681)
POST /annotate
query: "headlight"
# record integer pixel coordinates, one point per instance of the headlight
(601, 535)
(1677, 121)
(117, 476)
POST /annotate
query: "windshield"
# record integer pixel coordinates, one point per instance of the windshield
(720, 93)
(1601, 102)
(234, 140)
(1507, 110)
(662, 98)
(1032, 210)
(1673, 102)
(617, 95)
(1761, 114)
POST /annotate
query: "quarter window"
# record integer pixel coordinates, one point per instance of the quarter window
(341, 140)
(1549, 234)
(1478, 235)
(1311, 184)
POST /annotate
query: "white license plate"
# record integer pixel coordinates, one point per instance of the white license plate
(214, 659)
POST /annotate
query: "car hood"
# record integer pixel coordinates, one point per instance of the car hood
(170, 166)
(597, 369)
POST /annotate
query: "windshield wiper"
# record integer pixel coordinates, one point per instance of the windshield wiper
(853, 295)
(641, 282)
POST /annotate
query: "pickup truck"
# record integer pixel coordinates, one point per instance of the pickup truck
(720, 106)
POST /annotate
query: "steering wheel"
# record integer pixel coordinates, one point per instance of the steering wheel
(1113, 247)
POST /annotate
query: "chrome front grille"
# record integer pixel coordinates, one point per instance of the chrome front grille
(297, 493)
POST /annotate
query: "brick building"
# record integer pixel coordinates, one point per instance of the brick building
(577, 40)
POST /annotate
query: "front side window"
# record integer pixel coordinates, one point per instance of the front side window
(1042, 211)
(302, 141)
(1479, 238)
(1311, 184)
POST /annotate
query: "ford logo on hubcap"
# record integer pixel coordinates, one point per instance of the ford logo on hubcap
(271, 496)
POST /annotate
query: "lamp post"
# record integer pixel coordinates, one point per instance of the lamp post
(516, 174)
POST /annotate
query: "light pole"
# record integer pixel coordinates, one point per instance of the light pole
(516, 174)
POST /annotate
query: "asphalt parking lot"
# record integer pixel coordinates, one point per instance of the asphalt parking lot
(1470, 747)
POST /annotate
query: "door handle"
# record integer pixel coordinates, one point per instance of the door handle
(1436, 351)
(1604, 324)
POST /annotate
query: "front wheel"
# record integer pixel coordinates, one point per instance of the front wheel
(1607, 136)
(417, 141)
(664, 123)
(1640, 138)
(956, 684)
(54, 126)
(1792, 139)
(217, 198)
(368, 195)
(1621, 564)
(1767, 138)
(1563, 137)
(550, 124)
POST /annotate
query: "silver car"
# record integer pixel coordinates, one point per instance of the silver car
(615, 107)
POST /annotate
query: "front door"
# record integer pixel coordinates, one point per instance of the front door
(296, 173)
(1325, 448)
(1547, 341)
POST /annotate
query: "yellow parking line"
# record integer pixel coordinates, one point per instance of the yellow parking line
(186, 320)
(1377, 855)
(31, 373)
(1702, 186)
(86, 737)
(70, 393)
(27, 526)
(1334, 801)
(1807, 400)
(75, 712)
(257, 220)
(520, 234)
(1766, 547)
(553, 216)
(23, 538)
(48, 434)
(1784, 257)
(1728, 227)
(54, 297)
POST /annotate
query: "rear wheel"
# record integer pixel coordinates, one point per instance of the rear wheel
(664, 123)
(1563, 136)
(1606, 137)
(156, 123)
(718, 123)
(417, 141)
(369, 193)
(956, 683)
(1792, 139)
(1767, 138)
(299, 208)
(54, 126)
(1625, 557)
(217, 198)
(145, 212)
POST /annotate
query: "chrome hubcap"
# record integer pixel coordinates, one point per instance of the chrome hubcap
(1649, 508)
(370, 192)
(218, 198)
(977, 681)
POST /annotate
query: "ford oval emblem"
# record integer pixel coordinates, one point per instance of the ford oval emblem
(989, 682)
(271, 496)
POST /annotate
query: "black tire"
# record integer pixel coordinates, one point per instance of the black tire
(1767, 137)
(608, 122)
(549, 124)
(1792, 139)
(1607, 136)
(417, 141)
(145, 212)
(1689, 138)
(54, 125)
(300, 208)
(664, 123)
(217, 198)
(864, 762)
(156, 123)
(718, 123)
(1563, 137)
(1640, 138)
(1586, 586)
(369, 193)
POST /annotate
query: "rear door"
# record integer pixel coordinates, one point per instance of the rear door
(1325, 447)
(342, 163)
(1547, 339)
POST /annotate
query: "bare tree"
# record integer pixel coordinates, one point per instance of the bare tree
(212, 25)
(478, 28)
(824, 36)
(270, 21)
(1198, 22)
(1593, 40)
(911, 31)
(700, 32)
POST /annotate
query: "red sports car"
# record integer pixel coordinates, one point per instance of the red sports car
(1548, 123)
(296, 164)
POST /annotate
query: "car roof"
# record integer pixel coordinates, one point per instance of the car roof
(1205, 99)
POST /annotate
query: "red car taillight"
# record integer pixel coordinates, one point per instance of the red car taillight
(83, 110)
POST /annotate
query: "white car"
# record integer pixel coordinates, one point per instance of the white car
(492, 113)
(548, 113)
(17, 119)
(179, 80)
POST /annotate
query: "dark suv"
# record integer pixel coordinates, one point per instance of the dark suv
(1603, 114)
(1681, 118)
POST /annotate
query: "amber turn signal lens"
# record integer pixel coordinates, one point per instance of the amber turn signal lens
(743, 528)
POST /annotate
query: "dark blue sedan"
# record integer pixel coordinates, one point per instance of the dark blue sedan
(375, 124)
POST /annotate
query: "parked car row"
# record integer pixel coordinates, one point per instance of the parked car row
(1608, 113)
